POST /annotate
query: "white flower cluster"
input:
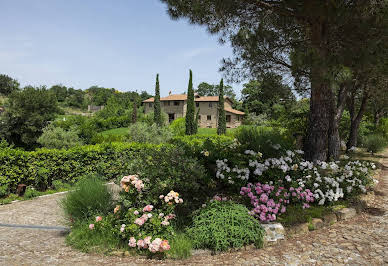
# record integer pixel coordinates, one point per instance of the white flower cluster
(329, 181)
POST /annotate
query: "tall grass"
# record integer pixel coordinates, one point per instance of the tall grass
(89, 198)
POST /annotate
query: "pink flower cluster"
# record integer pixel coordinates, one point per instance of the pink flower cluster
(265, 207)
(126, 181)
(269, 203)
(167, 218)
(170, 197)
(157, 245)
(220, 198)
(98, 219)
(144, 218)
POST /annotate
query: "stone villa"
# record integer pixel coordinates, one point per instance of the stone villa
(175, 106)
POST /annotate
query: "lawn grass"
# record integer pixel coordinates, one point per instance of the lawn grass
(121, 131)
(213, 131)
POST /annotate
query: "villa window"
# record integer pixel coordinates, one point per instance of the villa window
(199, 118)
(228, 118)
(176, 103)
(210, 105)
(150, 105)
(167, 103)
(197, 104)
(209, 117)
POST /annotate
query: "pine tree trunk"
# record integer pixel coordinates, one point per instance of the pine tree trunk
(334, 137)
(321, 99)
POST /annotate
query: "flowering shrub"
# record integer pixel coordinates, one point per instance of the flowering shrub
(269, 202)
(303, 181)
(144, 227)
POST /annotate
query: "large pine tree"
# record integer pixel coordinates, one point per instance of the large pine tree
(157, 110)
(221, 128)
(190, 112)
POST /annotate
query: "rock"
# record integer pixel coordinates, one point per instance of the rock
(345, 213)
(330, 219)
(273, 232)
(317, 223)
(299, 229)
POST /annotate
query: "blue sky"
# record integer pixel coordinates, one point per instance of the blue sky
(118, 44)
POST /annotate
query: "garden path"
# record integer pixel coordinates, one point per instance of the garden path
(360, 241)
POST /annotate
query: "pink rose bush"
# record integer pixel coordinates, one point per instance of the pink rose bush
(143, 226)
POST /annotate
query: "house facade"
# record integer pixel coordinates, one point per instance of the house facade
(175, 105)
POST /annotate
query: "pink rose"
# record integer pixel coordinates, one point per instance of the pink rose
(136, 213)
(132, 242)
(147, 240)
(98, 219)
(164, 245)
(148, 208)
(91, 226)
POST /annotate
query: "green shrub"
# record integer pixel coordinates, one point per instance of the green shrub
(375, 143)
(89, 198)
(181, 247)
(168, 168)
(223, 225)
(144, 133)
(178, 126)
(59, 185)
(270, 141)
(31, 193)
(382, 127)
(148, 118)
(58, 138)
(86, 240)
(4, 191)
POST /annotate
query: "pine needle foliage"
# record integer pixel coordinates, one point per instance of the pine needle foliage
(157, 110)
(190, 123)
(221, 129)
(223, 225)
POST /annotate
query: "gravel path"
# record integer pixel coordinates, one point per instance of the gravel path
(362, 240)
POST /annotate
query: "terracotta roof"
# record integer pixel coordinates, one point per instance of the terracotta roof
(233, 111)
(172, 97)
(183, 97)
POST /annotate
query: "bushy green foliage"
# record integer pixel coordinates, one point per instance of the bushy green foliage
(223, 225)
(27, 114)
(4, 191)
(169, 168)
(178, 127)
(181, 247)
(8, 84)
(89, 198)
(86, 240)
(144, 133)
(31, 193)
(382, 127)
(375, 143)
(58, 138)
(148, 118)
(269, 141)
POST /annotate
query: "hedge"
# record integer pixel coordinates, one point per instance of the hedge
(109, 160)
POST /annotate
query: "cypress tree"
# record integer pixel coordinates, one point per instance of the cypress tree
(157, 110)
(221, 129)
(190, 107)
(134, 112)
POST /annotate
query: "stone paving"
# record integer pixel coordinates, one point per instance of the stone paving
(362, 240)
